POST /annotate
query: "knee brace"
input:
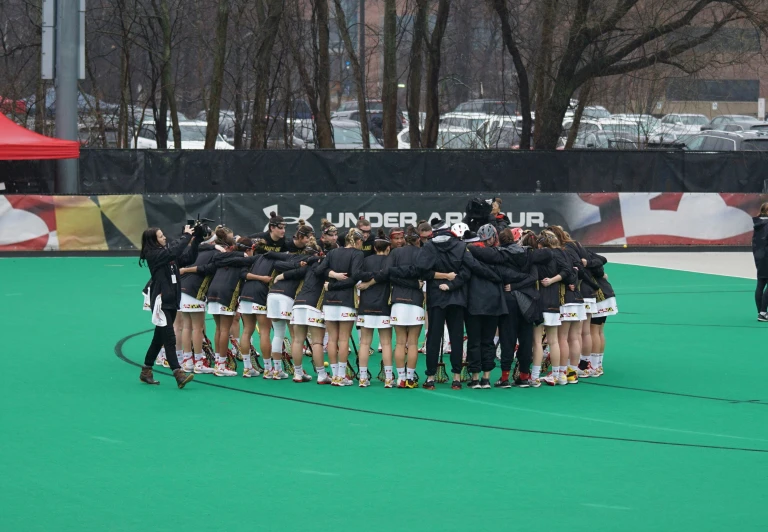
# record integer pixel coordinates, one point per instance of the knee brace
(279, 335)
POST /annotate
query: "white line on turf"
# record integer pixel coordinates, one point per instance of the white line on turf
(321, 473)
(107, 440)
(595, 420)
(114, 265)
(606, 506)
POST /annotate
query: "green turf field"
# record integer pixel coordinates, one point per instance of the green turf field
(673, 437)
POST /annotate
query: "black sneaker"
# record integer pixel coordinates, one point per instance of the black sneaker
(502, 384)
(762, 316)
(474, 384)
(456, 385)
(522, 383)
(429, 384)
(485, 383)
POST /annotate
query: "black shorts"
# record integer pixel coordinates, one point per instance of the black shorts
(599, 321)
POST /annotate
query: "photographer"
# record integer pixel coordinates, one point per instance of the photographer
(165, 293)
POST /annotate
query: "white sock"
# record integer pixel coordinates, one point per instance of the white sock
(563, 370)
(584, 357)
(199, 357)
(162, 352)
(325, 342)
(321, 374)
(335, 370)
(411, 374)
(535, 372)
(401, 374)
(495, 340)
(179, 354)
(571, 367)
(298, 371)
(267, 364)
(363, 372)
(218, 359)
(343, 370)
(186, 356)
(599, 360)
(388, 372)
(593, 360)
(247, 360)
(278, 365)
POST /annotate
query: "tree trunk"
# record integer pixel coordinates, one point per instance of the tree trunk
(552, 114)
(584, 96)
(269, 23)
(522, 72)
(168, 95)
(414, 73)
(389, 81)
(341, 22)
(543, 71)
(217, 81)
(323, 75)
(429, 136)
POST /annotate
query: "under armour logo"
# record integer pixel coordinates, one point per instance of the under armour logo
(305, 212)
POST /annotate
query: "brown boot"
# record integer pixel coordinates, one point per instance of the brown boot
(146, 376)
(182, 378)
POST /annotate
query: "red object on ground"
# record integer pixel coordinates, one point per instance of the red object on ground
(19, 143)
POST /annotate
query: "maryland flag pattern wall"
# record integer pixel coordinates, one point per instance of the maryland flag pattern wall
(115, 222)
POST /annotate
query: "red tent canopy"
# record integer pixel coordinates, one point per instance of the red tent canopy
(17, 143)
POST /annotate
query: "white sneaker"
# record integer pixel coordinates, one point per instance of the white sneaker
(345, 382)
(250, 372)
(303, 378)
(325, 380)
(222, 371)
(561, 380)
(267, 374)
(160, 360)
(201, 366)
(364, 383)
(549, 380)
(188, 365)
(278, 375)
(583, 373)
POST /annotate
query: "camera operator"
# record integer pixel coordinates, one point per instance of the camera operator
(165, 293)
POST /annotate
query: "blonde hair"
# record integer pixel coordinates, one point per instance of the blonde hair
(353, 235)
(764, 209)
(548, 239)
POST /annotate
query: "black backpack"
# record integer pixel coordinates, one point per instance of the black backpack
(478, 213)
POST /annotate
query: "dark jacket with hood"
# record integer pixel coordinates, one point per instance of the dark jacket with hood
(253, 290)
(760, 246)
(164, 266)
(484, 296)
(196, 284)
(595, 265)
(401, 289)
(515, 267)
(375, 300)
(342, 260)
(553, 296)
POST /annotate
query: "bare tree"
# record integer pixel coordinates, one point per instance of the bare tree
(434, 44)
(389, 81)
(269, 21)
(323, 74)
(217, 80)
(414, 72)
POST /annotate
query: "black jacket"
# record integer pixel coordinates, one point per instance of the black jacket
(311, 289)
(514, 264)
(164, 266)
(367, 248)
(375, 300)
(760, 246)
(285, 262)
(256, 291)
(403, 288)
(342, 260)
(553, 296)
(571, 256)
(226, 283)
(196, 284)
(272, 245)
(595, 265)
(485, 297)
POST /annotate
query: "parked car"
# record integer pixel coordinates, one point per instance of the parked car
(504, 137)
(728, 141)
(487, 107)
(735, 123)
(683, 125)
(192, 137)
(642, 129)
(342, 112)
(448, 138)
(347, 135)
(595, 112)
(602, 140)
(375, 118)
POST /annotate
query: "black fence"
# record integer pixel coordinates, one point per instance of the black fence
(312, 171)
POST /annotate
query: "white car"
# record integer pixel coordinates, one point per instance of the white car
(448, 138)
(683, 125)
(192, 137)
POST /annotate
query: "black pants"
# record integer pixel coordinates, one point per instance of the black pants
(164, 337)
(761, 294)
(453, 316)
(514, 329)
(481, 351)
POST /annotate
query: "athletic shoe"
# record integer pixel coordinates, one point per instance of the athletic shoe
(572, 377)
(401, 383)
(389, 383)
(429, 384)
(160, 359)
(250, 372)
(343, 381)
(201, 366)
(336, 381)
(599, 371)
(165, 363)
(325, 380)
(456, 385)
(549, 380)
(303, 378)
(525, 383)
(188, 365)
(364, 383)
(562, 380)
(485, 384)
(583, 373)
(763, 316)
(267, 374)
(423, 349)
(475, 384)
(502, 384)
(279, 375)
(222, 371)
(410, 383)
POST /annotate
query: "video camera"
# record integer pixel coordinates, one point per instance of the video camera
(200, 226)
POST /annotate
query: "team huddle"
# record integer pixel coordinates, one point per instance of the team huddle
(538, 303)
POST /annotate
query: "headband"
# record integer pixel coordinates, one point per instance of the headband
(330, 229)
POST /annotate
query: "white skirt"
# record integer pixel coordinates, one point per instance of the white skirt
(306, 315)
(249, 307)
(191, 304)
(405, 315)
(219, 309)
(607, 307)
(590, 305)
(573, 312)
(339, 313)
(552, 319)
(279, 307)
(374, 322)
